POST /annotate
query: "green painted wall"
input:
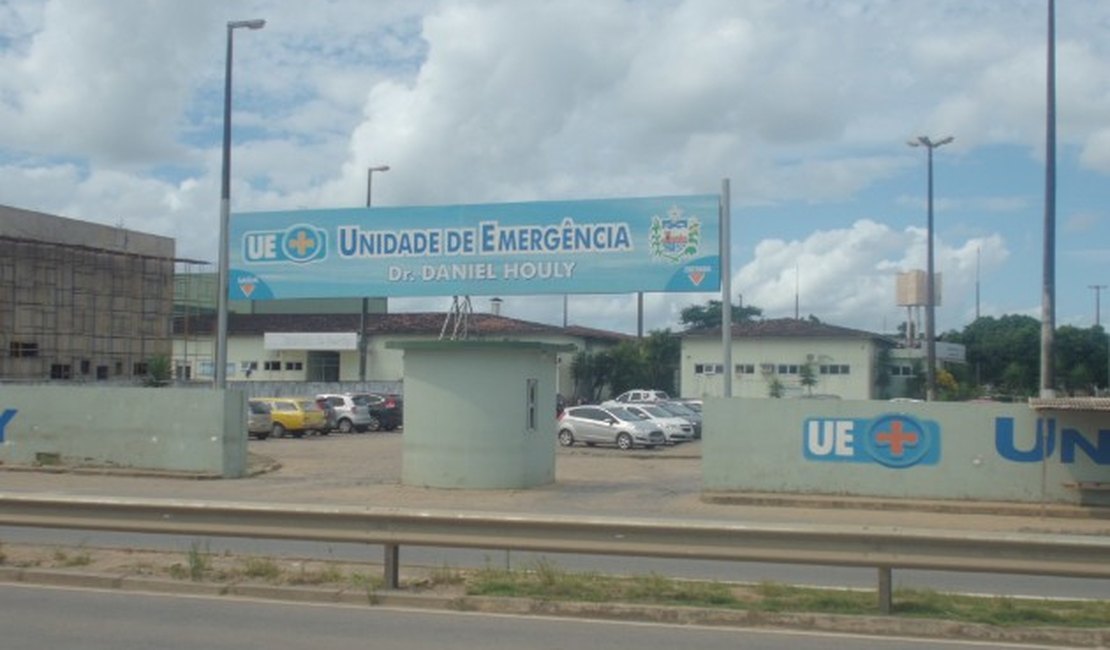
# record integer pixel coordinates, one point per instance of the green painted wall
(761, 445)
(187, 430)
(466, 415)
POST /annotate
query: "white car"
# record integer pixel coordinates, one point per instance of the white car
(641, 395)
(675, 428)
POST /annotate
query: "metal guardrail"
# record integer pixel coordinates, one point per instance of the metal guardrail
(883, 548)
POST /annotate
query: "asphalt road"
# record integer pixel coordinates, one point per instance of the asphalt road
(33, 618)
(365, 469)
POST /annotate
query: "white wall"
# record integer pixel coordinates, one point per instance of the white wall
(187, 430)
(857, 354)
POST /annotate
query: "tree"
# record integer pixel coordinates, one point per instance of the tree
(158, 372)
(807, 377)
(648, 363)
(1005, 351)
(709, 315)
(662, 351)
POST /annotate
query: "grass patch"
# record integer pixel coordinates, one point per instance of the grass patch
(262, 568)
(63, 559)
(545, 581)
(199, 561)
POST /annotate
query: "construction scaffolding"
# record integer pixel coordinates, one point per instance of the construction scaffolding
(78, 303)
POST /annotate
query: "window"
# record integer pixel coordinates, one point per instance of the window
(294, 365)
(834, 369)
(140, 368)
(532, 396)
(745, 368)
(84, 366)
(901, 371)
(708, 368)
(23, 349)
(59, 371)
(271, 365)
(788, 368)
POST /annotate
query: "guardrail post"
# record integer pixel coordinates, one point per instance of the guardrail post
(392, 566)
(886, 591)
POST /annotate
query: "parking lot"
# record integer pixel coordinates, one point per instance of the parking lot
(365, 470)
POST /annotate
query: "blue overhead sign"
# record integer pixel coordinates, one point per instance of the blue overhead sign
(665, 244)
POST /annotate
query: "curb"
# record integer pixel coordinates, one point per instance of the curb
(878, 626)
(1003, 508)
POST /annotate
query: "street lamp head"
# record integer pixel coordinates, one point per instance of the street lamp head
(924, 141)
(257, 23)
(380, 168)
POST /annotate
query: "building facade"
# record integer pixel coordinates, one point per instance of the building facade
(322, 348)
(789, 358)
(81, 301)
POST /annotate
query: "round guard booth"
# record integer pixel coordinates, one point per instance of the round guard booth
(479, 414)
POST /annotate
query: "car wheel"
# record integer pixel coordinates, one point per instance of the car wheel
(566, 438)
(345, 426)
(624, 441)
(375, 424)
(279, 431)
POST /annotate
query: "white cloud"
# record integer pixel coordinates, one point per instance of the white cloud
(112, 110)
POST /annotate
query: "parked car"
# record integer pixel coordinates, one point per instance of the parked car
(387, 410)
(330, 417)
(691, 403)
(607, 425)
(684, 411)
(295, 416)
(675, 429)
(259, 421)
(641, 395)
(351, 414)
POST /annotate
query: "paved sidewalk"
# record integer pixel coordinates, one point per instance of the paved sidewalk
(365, 469)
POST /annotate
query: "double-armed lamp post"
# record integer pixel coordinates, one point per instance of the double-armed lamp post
(930, 285)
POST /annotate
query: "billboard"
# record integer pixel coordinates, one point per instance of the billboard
(661, 244)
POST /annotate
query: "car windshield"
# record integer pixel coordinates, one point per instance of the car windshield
(655, 411)
(625, 414)
(678, 409)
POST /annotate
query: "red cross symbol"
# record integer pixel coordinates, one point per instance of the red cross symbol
(896, 439)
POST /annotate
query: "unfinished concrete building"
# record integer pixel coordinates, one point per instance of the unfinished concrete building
(81, 301)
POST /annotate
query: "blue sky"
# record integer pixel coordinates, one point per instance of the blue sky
(111, 111)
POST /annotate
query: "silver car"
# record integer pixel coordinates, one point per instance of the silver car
(683, 411)
(675, 429)
(350, 415)
(259, 420)
(594, 425)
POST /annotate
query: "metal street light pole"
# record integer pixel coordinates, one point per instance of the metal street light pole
(1098, 307)
(225, 203)
(366, 301)
(930, 285)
